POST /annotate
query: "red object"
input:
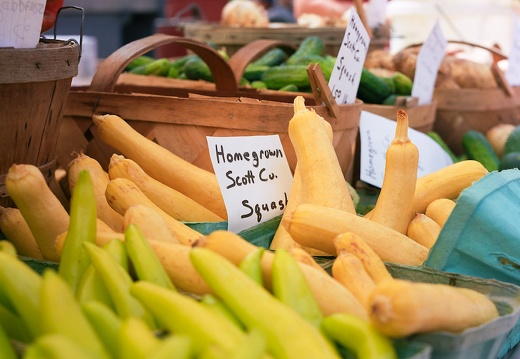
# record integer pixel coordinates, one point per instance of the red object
(210, 9)
(49, 15)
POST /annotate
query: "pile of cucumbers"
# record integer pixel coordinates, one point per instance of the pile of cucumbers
(279, 70)
(275, 70)
(383, 90)
(478, 147)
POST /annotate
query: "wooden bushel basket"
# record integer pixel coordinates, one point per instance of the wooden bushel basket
(420, 117)
(34, 85)
(181, 124)
(460, 110)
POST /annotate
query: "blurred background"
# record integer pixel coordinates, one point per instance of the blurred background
(108, 25)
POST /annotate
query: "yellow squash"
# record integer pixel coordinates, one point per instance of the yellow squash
(400, 308)
(200, 185)
(447, 182)
(423, 230)
(394, 206)
(99, 181)
(322, 180)
(440, 209)
(41, 209)
(316, 226)
(176, 204)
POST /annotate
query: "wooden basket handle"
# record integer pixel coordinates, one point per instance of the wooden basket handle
(497, 55)
(252, 51)
(496, 52)
(108, 72)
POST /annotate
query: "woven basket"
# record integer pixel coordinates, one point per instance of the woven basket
(34, 84)
(181, 123)
(460, 110)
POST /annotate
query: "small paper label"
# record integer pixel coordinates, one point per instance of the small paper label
(254, 178)
(513, 70)
(346, 74)
(21, 23)
(376, 134)
(427, 65)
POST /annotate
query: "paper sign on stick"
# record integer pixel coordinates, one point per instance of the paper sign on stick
(254, 178)
(21, 23)
(513, 70)
(346, 74)
(427, 65)
(376, 134)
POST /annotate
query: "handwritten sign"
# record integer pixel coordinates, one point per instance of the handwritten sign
(428, 61)
(20, 23)
(376, 134)
(254, 177)
(346, 74)
(513, 70)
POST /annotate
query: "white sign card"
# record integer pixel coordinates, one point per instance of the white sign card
(428, 61)
(346, 74)
(21, 23)
(376, 13)
(376, 134)
(254, 178)
(513, 69)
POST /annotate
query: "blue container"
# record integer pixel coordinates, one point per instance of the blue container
(481, 237)
(484, 342)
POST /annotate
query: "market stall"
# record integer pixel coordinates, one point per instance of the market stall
(271, 192)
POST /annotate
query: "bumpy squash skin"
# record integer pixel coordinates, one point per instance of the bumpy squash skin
(400, 308)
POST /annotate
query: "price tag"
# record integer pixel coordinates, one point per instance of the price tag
(376, 134)
(20, 23)
(345, 76)
(428, 61)
(513, 70)
(254, 178)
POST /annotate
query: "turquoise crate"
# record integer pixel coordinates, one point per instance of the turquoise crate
(481, 236)
(484, 342)
(489, 341)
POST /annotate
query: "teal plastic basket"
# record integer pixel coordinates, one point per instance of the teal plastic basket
(481, 236)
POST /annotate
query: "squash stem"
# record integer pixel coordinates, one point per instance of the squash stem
(401, 130)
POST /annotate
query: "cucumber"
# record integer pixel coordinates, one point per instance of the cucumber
(173, 72)
(157, 67)
(197, 69)
(478, 148)
(372, 88)
(312, 45)
(179, 63)
(391, 84)
(254, 72)
(277, 77)
(402, 84)
(259, 85)
(289, 88)
(513, 142)
(326, 65)
(273, 57)
(509, 161)
(390, 100)
(437, 138)
(141, 60)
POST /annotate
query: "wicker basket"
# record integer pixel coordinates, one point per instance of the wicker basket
(34, 84)
(420, 117)
(460, 110)
(181, 124)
